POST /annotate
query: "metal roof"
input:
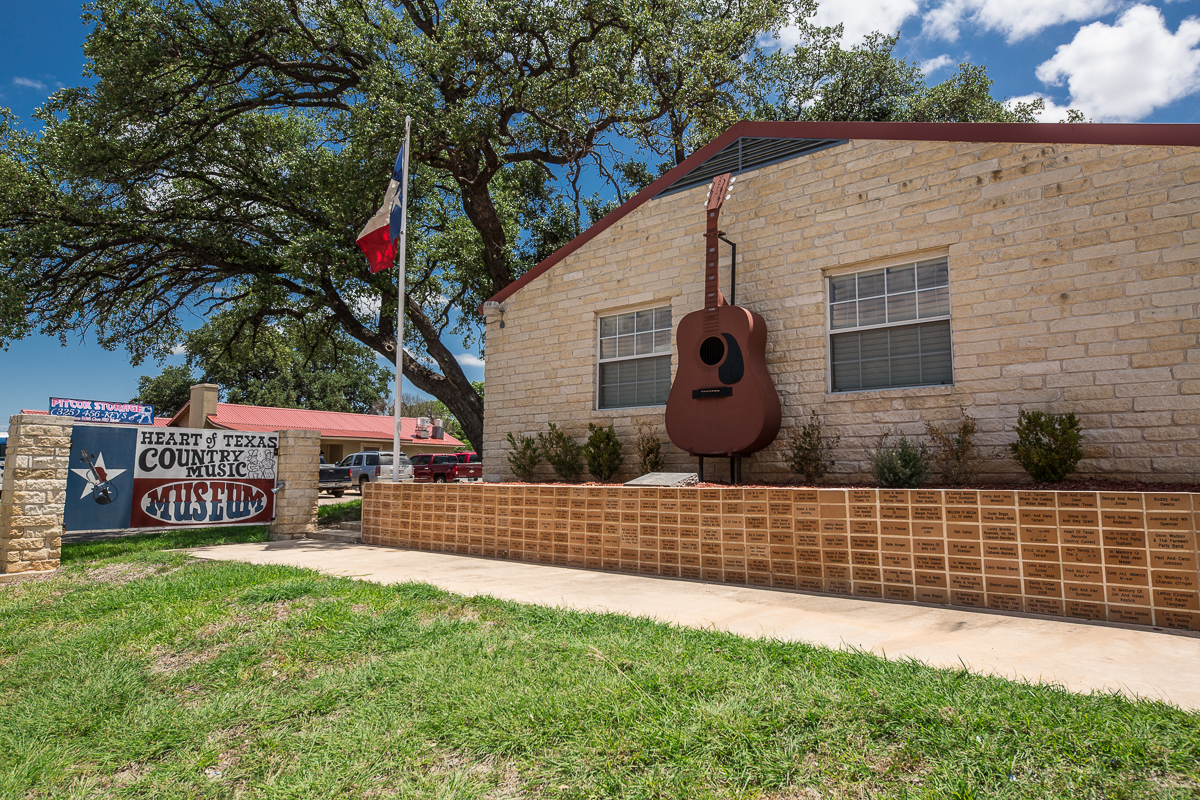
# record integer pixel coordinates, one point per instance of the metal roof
(330, 424)
(748, 153)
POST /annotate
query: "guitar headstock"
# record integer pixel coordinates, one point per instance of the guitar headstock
(718, 191)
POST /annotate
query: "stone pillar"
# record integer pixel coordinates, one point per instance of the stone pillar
(300, 469)
(35, 489)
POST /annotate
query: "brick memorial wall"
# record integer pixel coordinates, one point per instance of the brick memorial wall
(1121, 557)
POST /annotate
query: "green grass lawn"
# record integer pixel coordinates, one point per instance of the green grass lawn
(142, 673)
(340, 512)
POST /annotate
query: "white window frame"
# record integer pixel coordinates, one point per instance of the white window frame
(654, 306)
(830, 332)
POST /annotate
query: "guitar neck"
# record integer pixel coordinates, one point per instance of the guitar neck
(713, 299)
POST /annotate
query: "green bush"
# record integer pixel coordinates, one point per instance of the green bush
(903, 465)
(808, 449)
(602, 451)
(1047, 445)
(524, 457)
(649, 448)
(563, 453)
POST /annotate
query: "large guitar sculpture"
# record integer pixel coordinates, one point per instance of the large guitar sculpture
(722, 402)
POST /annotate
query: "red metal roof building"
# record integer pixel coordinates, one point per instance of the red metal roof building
(341, 433)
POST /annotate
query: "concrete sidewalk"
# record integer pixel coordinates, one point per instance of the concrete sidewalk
(1081, 656)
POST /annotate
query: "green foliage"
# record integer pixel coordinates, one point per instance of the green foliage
(954, 451)
(562, 453)
(902, 465)
(168, 391)
(126, 546)
(524, 456)
(1048, 445)
(602, 451)
(225, 156)
(649, 448)
(340, 512)
(149, 674)
(288, 364)
(809, 449)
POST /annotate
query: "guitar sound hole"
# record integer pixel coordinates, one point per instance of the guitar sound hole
(712, 350)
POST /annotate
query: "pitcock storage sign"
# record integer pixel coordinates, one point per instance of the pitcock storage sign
(168, 477)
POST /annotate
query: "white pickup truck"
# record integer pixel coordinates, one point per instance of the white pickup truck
(372, 466)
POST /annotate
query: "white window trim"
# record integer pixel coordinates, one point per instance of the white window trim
(630, 309)
(871, 267)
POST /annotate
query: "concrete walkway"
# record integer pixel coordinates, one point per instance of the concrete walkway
(1081, 656)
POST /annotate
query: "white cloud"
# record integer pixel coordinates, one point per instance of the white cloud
(934, 64)
(29, 83)
(178, 350)
(859, 17)
(1053, 112)
(1016, 19)
(1124, 71)
(469, 360)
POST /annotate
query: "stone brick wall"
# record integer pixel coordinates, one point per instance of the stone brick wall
(1127, 557)
(34, 492)
(296, 503)
(1074, 283)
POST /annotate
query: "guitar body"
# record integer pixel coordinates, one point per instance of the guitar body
(722, 402)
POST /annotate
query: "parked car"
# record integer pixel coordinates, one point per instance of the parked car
(470, 466)
(446, 468)
(335, 478)
(372, 466)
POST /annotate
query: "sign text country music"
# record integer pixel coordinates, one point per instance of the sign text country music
(211, 454)
(203, 501)
(127, 477)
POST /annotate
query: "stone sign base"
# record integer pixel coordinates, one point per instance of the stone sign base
(1127, 557)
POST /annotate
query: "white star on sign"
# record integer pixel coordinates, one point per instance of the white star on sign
(102, 472)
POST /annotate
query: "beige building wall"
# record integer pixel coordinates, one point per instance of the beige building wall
(1074, 282)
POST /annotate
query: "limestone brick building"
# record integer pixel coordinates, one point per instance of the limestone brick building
(905, 271)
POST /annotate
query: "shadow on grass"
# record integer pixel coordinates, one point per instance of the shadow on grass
(168, 540)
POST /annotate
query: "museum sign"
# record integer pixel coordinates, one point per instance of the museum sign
(124, 477)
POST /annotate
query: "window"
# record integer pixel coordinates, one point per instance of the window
(635, 358)
(445, 459)
(890, 327)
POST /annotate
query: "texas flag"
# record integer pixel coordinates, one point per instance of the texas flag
(379, 239)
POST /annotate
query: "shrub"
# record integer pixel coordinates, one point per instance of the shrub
(954, 451)
(902, 465)
(808, 449)
(563, 453)
(525, 456)
(602, 451)
(1047, 445)
(649, 448)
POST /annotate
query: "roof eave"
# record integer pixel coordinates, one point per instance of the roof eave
(1159, 134)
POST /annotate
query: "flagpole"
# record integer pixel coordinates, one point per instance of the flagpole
(400, 308)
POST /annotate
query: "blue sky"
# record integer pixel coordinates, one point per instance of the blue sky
(1115, 61)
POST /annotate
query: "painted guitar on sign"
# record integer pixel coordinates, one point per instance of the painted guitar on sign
(722, 402)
